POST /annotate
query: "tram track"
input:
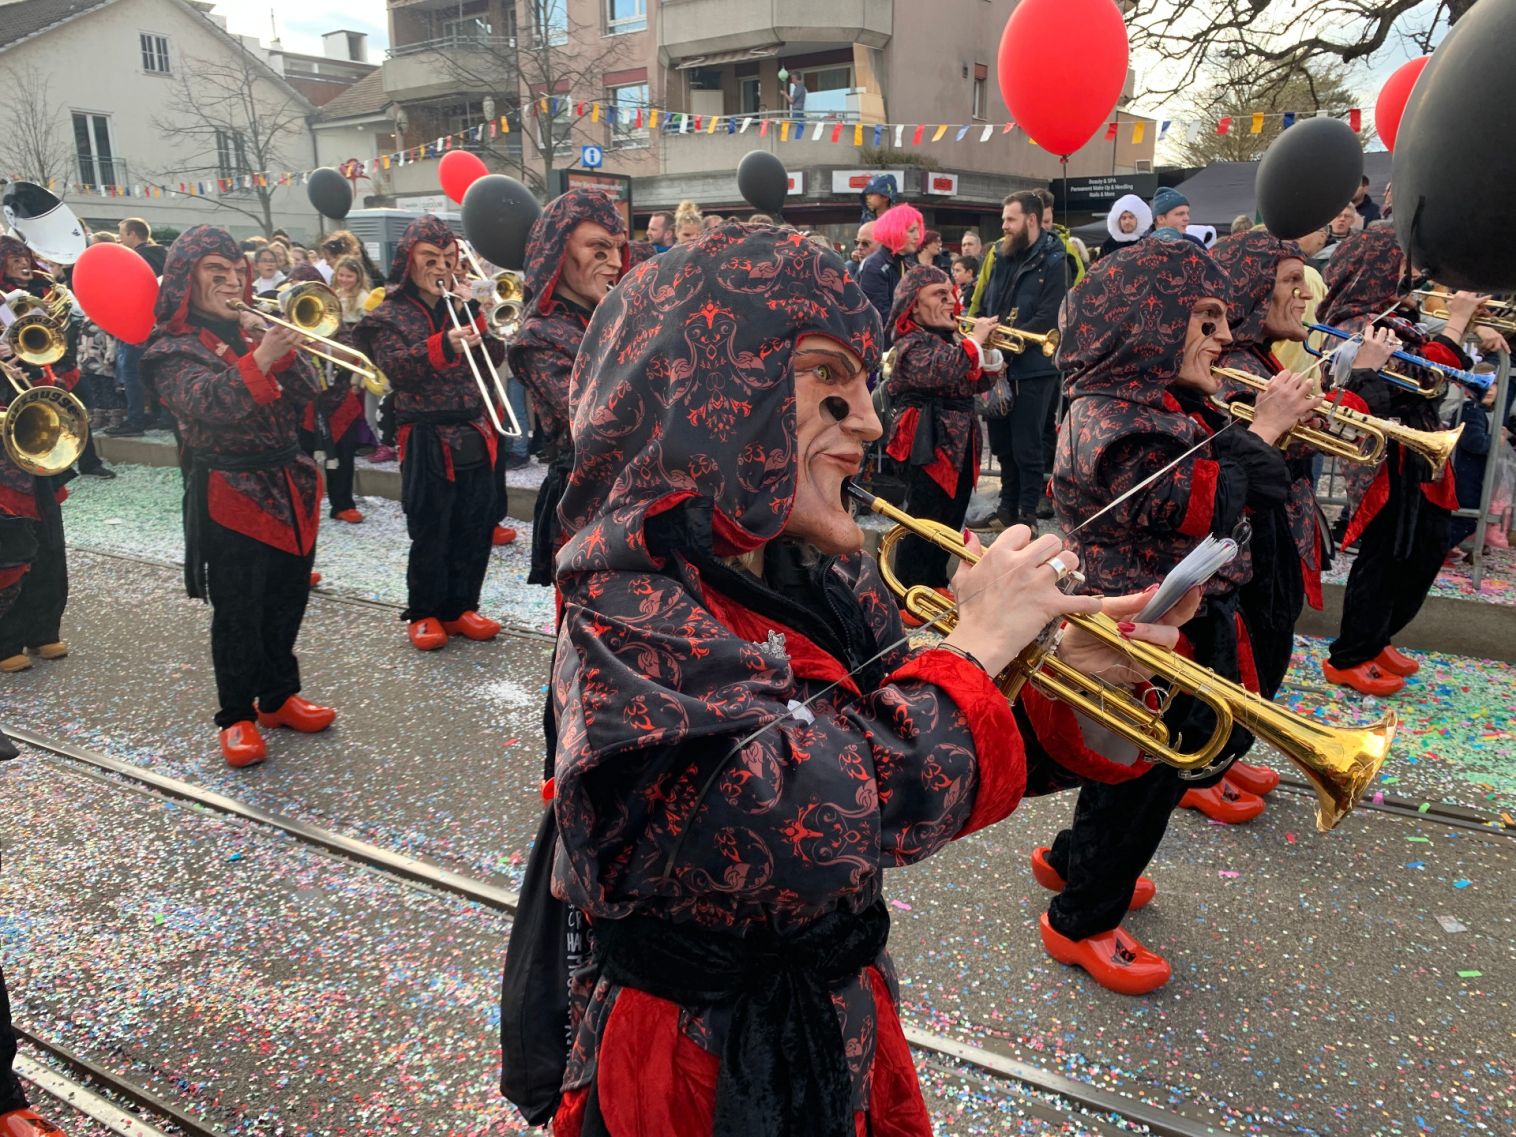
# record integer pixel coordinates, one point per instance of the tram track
(1073, 1098)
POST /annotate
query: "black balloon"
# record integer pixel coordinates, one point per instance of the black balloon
(330, 193)
(498, 213)
(763, 181)
(1307, 175)
(1452, 180)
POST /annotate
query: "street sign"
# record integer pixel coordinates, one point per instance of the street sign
(591, 157)
(1098, 194)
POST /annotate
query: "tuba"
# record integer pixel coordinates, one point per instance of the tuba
(44, 428)
(1350, 435)
(1339, 763)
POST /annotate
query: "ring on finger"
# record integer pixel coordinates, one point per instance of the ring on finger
(1059, 566)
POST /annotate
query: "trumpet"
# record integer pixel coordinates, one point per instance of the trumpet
(1352, 435)
(1340, 763)
(1014, 341)
(1473, 380)
(45, 428)
(313, 310)
(1497, 314)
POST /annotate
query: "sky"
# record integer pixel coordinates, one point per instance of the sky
(301, 22)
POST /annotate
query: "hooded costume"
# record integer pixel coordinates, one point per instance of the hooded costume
(933, 383)
(738, 982)
(542, 354)
(1403, 517)
(251, 498)
(33, 561)
(330, 421)
(1124, 333)
(447, 446)
(1130, 203)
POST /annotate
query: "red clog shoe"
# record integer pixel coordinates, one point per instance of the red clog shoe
(472, 626)
(56, 650)
(25, 1123)
(241, 745)
(315, 579)
(1224, 802)
(1396, 662)
(503, 535)
(1367, 678)
(1255, 779)
(1114, 959)
(427, 634)
(299, 714)
(1048, 877)
(351, 516)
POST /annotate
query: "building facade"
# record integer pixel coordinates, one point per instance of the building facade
(454, 63)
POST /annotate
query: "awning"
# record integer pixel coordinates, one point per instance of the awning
(717, 58)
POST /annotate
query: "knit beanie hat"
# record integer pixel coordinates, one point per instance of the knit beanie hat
(1167, 198)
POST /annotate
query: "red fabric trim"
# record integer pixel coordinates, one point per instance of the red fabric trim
(1312, 579)
(1247, 667)
(807, 660)
(243, 515)
(942, 471)
(285, 362)
(999, 754)
(1440, 353)
(402, 440)
(68, 380)
(1172, 404)
(1442, 493)
(904, 436)
(976, 357)
(435, 354)
(1373, 501)
(731, 539)
(1057, 729)
(263, 388)
(349, 411)
(15, 503)
(9, 576)
(1202, 504)
(896, 1107)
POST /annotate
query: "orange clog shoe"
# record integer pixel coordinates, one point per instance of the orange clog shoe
(427, 634)
(1114, 959)
(1396, 662)
(26, 1123)
(472, 626)
(1224, 802)
(299, 714)
(503, 535)
(351, 516)
(242, 746)
(1367, 678)
(1047, 876)
(1258, 780)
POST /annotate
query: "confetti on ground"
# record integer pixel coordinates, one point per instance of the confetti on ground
(1456, 581)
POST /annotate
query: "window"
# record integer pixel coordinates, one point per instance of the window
(154, 53)
(981, 94)
(550, 21)
(92, 142)
(750, 95)
(625, 16)
(625, 103)
(462, 31)
(828, 89)
(231, 155)
(979, 99)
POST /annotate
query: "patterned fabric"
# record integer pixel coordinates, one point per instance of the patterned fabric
(542, 354)
(684, 413)
(407, 339)
(934, 380)
(1362, 278)
(1124, 329)
(224, 405)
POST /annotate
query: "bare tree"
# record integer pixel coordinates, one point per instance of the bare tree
(33, 145)
(546, 61)
(236, 119)
(1276, 40)
(1238, 92)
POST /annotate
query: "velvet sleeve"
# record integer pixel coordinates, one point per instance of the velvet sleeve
(220, 394)
(931, 365)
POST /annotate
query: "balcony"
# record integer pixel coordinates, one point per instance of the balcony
(455, 65)
(690, 28)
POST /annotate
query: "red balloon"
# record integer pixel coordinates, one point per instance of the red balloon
(1392, 99)
(1060, 97)
(117, 289)
(457, 171)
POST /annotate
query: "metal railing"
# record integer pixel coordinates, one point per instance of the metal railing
(456, 42)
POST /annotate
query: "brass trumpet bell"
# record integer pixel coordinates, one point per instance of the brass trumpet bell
(1340, 763)
(1014, 341)
(36, 339)
(44, 430)
(311, 307)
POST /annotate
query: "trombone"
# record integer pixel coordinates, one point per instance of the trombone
(1351, 435)
(45, 428)
(313, 310)
(1497, 314)
(1340, 763)
(1014, 341)
(1473, 380)
(495, 380)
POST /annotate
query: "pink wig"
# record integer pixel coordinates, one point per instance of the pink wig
(893, 224)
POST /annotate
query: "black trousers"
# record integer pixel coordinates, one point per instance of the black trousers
(1271, 602)
(258, 596)
(918, 561)
(1017, 442)
(450, 544)
(339, 469)
(1385, 591)
(36, 617)
(11, 1096)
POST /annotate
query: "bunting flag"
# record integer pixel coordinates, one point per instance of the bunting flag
(1225, 125)
(1355, 120)
(1289, 120)
(1257, 123)
(1110, 131)
(1139, 131)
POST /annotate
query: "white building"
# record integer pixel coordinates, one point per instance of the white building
(108, 85)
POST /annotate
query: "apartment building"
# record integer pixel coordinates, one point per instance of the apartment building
(454, 63)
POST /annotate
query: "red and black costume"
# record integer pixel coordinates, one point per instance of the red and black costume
(331, 422)
(1288, 544)
(449, 490)
(727, 849)
(251, 497)
(32, 553)
(936, 434)
(1401, 524)
(1124, 329)
(543, 352)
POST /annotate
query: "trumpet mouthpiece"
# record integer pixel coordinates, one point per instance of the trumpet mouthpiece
(858, 493)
